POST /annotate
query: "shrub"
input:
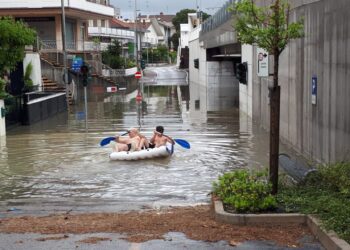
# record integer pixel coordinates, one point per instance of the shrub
(245, 191)
(337, 177)
(28, 82)
(325, 194)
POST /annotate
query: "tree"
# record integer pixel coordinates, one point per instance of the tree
(15, 35)
(112, 56)
(182, 17)
(268, 27)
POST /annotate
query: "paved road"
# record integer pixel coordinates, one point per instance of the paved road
(164, 76)
(109, 241)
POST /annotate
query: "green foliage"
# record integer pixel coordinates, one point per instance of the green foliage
(2, 89)
(336, 177)
(175, 39)
(266, 26)
(130, 63)
(112, 56)
(159, 54)
(182, 17)
(173, 55)
(325, 194)
(28, 82)
(14, 36)
(245, 191)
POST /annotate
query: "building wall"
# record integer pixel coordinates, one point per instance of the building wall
(245, 91)
(197, 77)
(223, 87)
(34, 58)
(320, 131)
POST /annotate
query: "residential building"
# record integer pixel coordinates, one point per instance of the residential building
(46, 18)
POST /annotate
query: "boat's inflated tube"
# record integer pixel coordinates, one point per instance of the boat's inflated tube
(162, 151)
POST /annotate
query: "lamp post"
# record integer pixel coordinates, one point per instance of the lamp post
(65, 79)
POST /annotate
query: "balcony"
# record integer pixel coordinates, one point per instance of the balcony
(99, 7)
(111, 32)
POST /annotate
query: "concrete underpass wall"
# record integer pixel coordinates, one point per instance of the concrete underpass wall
(223, 87)
(320, 131)
(245, 90)
(197, 77)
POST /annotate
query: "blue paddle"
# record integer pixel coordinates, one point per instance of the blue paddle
(108, 140)
(183, 143)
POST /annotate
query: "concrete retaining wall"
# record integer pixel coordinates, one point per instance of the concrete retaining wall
(320, 131)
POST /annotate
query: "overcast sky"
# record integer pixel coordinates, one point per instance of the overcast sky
(153, 7)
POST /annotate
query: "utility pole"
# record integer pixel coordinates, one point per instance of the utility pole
(65, 79)
(135, 45)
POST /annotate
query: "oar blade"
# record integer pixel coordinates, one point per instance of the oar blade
(183, 143)
(106, 141)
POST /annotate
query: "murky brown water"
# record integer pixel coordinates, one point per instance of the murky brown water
(59, 158)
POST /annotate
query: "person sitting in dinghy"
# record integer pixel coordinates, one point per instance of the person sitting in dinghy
(133, 142)
(159, 139)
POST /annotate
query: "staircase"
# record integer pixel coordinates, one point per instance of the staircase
(51, 86)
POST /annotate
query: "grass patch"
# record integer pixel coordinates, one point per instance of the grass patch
(326, 194)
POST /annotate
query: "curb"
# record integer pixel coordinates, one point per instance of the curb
(329, 240)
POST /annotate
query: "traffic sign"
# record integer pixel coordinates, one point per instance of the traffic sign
(138, 75)
(77, 63)
(139, 96)
(112, 89)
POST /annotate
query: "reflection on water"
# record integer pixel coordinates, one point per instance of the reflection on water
(58, 158)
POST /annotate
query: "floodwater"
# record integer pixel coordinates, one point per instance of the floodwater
(60, 158)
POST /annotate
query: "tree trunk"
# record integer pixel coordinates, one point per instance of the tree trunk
(275, 93)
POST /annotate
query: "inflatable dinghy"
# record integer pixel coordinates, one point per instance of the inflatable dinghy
(162, 151)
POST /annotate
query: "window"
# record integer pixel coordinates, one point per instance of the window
(196, 63)
(197, 104)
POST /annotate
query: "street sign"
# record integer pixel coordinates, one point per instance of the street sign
(263, 62)
(77, 63)
(112, 89)
(139, 96)
(138, 75)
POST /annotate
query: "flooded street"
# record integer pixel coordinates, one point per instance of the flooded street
(59, 159)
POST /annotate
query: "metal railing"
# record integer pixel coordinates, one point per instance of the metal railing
(220, 17)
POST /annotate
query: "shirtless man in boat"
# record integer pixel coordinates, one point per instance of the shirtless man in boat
(159, 139)
(133, 142)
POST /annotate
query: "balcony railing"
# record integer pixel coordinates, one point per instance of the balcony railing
(111, 32)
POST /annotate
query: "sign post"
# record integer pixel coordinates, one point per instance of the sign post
(84, 70)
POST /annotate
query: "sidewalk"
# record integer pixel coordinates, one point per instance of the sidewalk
(172, 228)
